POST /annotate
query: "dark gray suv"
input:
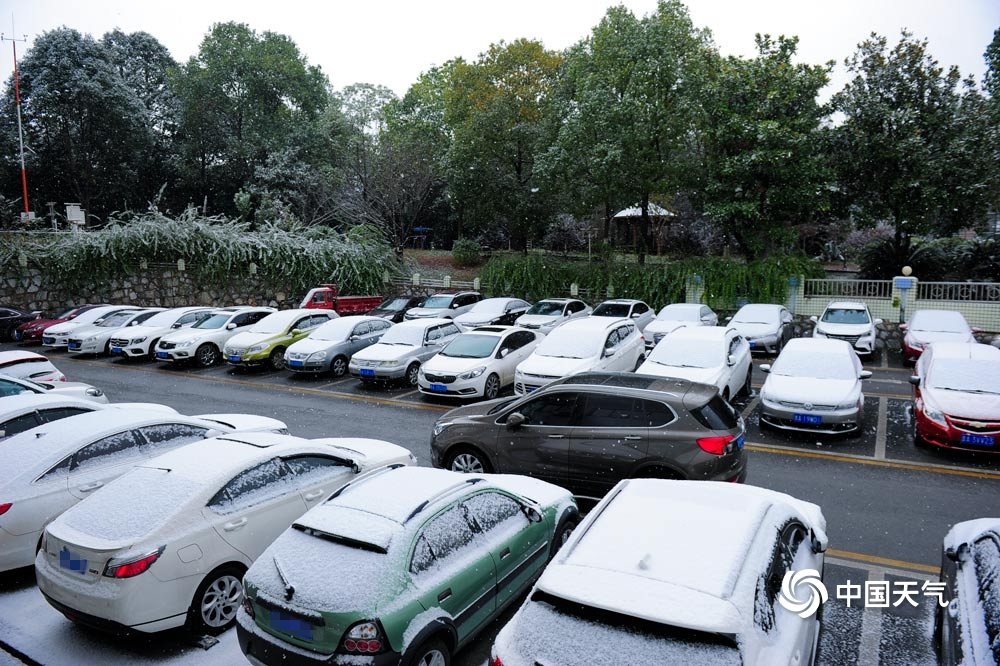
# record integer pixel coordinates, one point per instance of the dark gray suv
(589, 431)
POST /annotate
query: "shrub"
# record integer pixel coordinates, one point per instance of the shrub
(566, 233)
(466, 252)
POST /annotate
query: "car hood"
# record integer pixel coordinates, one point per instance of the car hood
(755, 330)
(979, 406)
(844, 329)
(64, 327)
(244, 340)
(477, 318)
(809, 389)
(427, 312)
(40, 324)
(551, 366)
(310, 346)
(246, 422)
(658, 326)
(146, 331)
(368, 453)
(451, 365)
(88, 330)
(700, 375)
(927, 337)
(182, 334)
(537, 320)
(380, 352)
(475, 409)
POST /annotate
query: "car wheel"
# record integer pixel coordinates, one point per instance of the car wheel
(151, 354)
(207, 355)
(277, 359)
(339, 366)
(468, 461)
(492, 387)
(412, 373)
(642, 358)
(563, 532)
(432, 653)
(213, 609)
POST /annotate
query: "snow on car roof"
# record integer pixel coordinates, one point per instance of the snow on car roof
(218, 457)
(819, 345)
(681, 307)
(847, 305)
(699, 333)
(9, 358)
(422, 323)
(936, 318)
(395, 494)
(590, 324)
(14, 404)
(965, 350)
(970, 530)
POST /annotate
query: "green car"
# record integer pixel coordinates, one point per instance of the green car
(402, 566)
(266, 341)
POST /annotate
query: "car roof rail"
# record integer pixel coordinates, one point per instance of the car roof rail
(434, 498)
(363, 478)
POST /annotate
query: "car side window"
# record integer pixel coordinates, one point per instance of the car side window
(19, 424)
(12, 388)
(443, 536)
(657, 414)
(255, 317)
(986, 556)
(611, 411)
(448, 330)
(434, 334)
(490, 509)
(790, 538)
(313, 468)
(253, 486)
(56, 413)
(612, 340)
(576, 306)
(243, 319)
(143, 317)
(107, 450)
(705, 313)
(190, 317)
(381, 326)
(163, 436)
(640, 308)
(554, 409)
(364, 328)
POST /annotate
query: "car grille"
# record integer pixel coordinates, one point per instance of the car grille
(362, 363)
(802, 406)
(297, 356)
(167, 345)
(439, 379)
(119, 342)
(521, 387)
(233, 351)
(978, 427)
(852, 339)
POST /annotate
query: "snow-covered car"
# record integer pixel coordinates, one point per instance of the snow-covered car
(96, 338)
(849, 321)
(546, 314)
(31, 331)
(492, 312)
(445, 306)
(700, 588)
(402, 349)
(394, 308)
(204, 341)
(403, 567)
(30, 410)
(140, 341)
(57, 336)
(966, 630)
(714, 355)
(766, 327)
(956, 396)
(51, 467)
(927, 326)
(626, 308)
(591, 343)
(15, 386)
(330, 347)
(265, 343)
(814, 386)
(150, 560)
(675, 315)
(29, 365)
(478, 363)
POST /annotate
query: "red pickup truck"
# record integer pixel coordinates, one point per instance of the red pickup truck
(327, 297)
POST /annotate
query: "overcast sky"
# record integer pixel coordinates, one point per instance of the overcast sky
(390, 42)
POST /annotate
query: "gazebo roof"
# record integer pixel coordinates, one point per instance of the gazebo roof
(636, 211)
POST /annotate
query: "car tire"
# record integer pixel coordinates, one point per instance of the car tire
(491, 389)
(213, 608)
(431, 653)
(338, 366)
(564, 529)
(151, 354)
(412, 374)
(467, 460)
(277, 359)
(640, 361)
(206, 355)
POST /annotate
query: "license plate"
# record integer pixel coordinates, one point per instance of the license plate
(439, 388)
(367, 372)
(162, 355)
(72, 561)
(739, 442)
(295, 364)
(291, 625)
(116, 350)
(234, 358)
(48, 341)
(752, 344)
(977, 440)
(807, 418)
(74, 345)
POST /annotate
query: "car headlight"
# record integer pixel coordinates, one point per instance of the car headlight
(472, 374)
(136, 341)
(256, 348)
(91, 339)
(318, 356)
(934, 414)
(440, 426)
(817, 333)
(848, 405)
(186, 343)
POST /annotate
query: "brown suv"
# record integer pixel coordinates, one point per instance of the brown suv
(589, 431)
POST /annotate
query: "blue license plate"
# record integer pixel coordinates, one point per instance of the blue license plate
(74, 345)
(117, 350)
(752, 344)
(439, 388)
(295, 364)
(48, 341)
(977, 440)
(739, 442)
(367, 372)
(291, 625)
(72, 561)
(162, 355)
(234, 358)
(807, 418)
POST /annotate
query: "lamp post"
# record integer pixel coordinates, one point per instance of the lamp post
(20, 131)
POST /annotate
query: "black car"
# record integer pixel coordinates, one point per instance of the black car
(395, 307)
(11, 318)
(967, 629)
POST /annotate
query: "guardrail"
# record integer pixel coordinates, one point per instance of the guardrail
(848, 288)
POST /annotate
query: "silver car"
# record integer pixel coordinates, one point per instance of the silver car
(330, 347)
(401, 351)
(445, 306)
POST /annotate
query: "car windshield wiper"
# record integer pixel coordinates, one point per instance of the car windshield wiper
(962, 390)
(676, 365)
(557, 356)
(765, 323)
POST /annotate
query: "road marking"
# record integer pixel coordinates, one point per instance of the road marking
(871, 629)
(750, 407)
(885, 360)
(880, 433)
(884, 565)
(407, 394)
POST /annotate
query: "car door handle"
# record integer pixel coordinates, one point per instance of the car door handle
(505, 553)
(444, 595)
(632, 438)
(90, 487)
(557, 436)
(313, 495)
(235, 525)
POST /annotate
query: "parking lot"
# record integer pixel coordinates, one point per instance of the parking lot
(887, 503)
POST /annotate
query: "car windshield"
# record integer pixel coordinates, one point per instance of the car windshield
(116, 320)
(756, 314)
(966, 375)
(163, 319)
(547, 308)
(846, 316)
(276, 322)
(438, 302)
(689, 353)
(410, 336)
(812, 364)
(67, 314)
(930, 321)
(569, 343)
(490, 306)
(471, 345)
(618, 310)
(334, 330)
(213, 321)
(671, 313)
(393, 304)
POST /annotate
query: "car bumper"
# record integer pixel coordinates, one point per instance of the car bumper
(17, 551)
(831, 422)
(763, 345)
(376, 374)
(912, 354)
(55, 342)
(460, 388)
(83, 347)
(307, 367)
(131, 351)
(262, 649)
(254, 361)
(173, 355)
(951, 438)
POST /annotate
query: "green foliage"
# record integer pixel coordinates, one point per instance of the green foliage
(934, 259)
(466, 252)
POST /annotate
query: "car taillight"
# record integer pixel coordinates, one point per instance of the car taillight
(364, 638)
(130, 568)
(5, 507)
(495, 661)
(715, 445)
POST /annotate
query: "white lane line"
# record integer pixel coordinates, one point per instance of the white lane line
(880, 433)
(885, 358)
(407, 394)
(871, 629)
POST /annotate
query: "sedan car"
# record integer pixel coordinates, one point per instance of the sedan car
(177, 556)
(50, 468)
(956, 396)
(708, 354)
(265, 343)
(445, 306)
(766, 328)
(11, 318)
(140, 341)
(702, 587)
(96, 338)
(30, 410)
(814, 386)
(478, 363)
(330, 347)
(10, 385)
(968, 626)
(405, 566)
(592, 343)
(32, 331)
(927, 326)
(626, 308)
(399, 353)
(492, 312)
(588, 432)
(58, 336)
(202, 343)
(674, 316)
(395, 308)
(29, 365)
(545, 315)
(849, 321)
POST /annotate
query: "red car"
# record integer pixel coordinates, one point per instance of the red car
(32, 331)
(956, 397)
(927, 326)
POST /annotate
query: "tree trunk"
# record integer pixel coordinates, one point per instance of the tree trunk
(644, 228)
(607, 221)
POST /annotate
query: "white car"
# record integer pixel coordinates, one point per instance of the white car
(706, 354)
(140, 341)
(814, 386)
(492, 312)
(592, 343)
(478, 363)
(204, 341)
(51, 467)
(626, 308)
(849, 321)
(29, 365)
(927, 326)
(14, 386)
(675, 315)
(30, 410)
(445, 306)
(401, 351)
(152, 561)
(701, 587)
(96, 338)
(330, 347)
(57, 336)
(545, 315)
(966, 629)
(766, 327)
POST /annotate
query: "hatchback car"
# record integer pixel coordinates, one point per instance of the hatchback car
(674, 316)
(673, 572)
(848, 321)
(588, 432)
(708, 354)
(405, 566)
(399, 353)
(29, 365)
(139, 342)
(330, 347)
(202, 343)
(766, 327)
(626, 308)
(927, 326)
(493, 312)
(96, 338)
(478, 363)
(445, 306)
(132, 558)
(265, 343)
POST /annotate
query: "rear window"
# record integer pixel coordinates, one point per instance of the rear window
(716, 414)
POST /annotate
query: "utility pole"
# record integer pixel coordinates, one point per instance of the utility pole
(20, 131)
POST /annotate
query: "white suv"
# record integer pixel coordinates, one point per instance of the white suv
(140, 341)
(849, 321)
(203, 342)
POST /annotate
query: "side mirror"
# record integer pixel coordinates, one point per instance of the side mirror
(609, 351)
(903, 327)
(636, 315)
(974, 329)
(814, 319)
(212, 432)
(98, 321)
(295, 331)
(566, 314)
(176, 324)
(503, 353)
(230, 326)
(878, 322)
(729, 318)
(865, 374)
(915, 380)
(133, 323)
(816, 545)
(354, 338)
(765, 368)
(730, 360)
(515, 420)
(532, 514)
